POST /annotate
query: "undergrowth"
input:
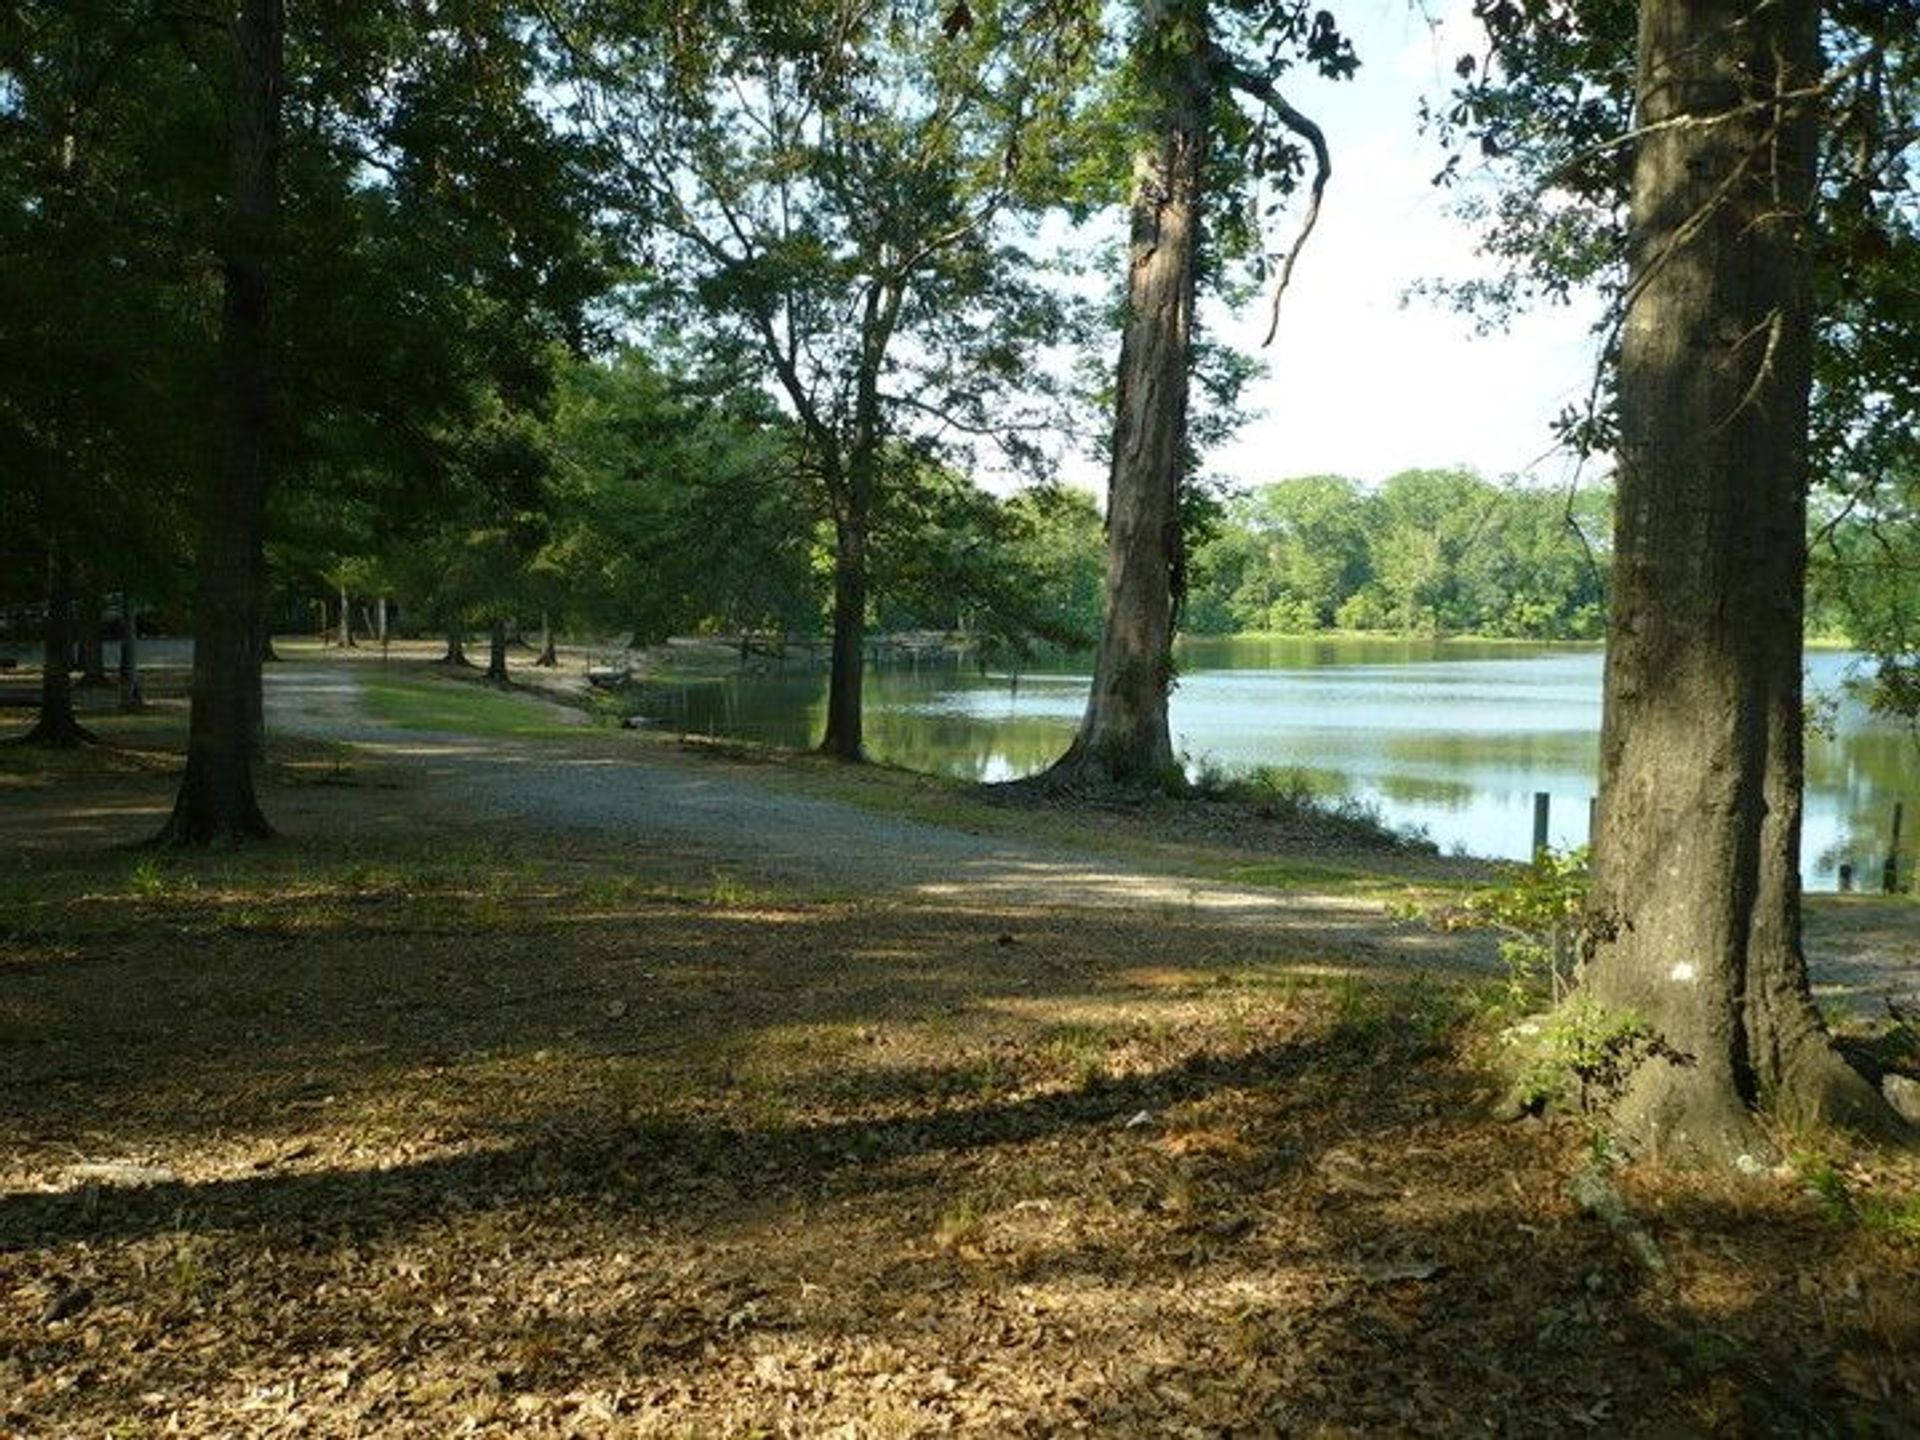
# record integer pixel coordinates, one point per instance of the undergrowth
(1281, 793)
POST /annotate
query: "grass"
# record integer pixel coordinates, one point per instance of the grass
(454, 707)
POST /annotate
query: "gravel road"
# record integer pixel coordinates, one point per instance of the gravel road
(710, 812)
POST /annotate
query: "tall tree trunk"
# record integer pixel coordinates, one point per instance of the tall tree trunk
(1124, 736)
(497, 650)
(846, 673)
(549, 656)
(256, 673)
(1695, 902)
(456, 647)
(57, 724)
(130, 696)
(93, 639)
(346, 618)
(216, 803)
(380, 621)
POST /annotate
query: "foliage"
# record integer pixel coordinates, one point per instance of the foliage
(676, 509)
(1579, 1053)
(1547, 108)
(1015, 575)
(1288, 796)
(1537, 911)
(1862, 581)
(1427, 551)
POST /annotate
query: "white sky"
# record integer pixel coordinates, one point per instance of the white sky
(1362, 384)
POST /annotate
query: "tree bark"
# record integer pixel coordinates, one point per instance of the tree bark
(256, 672)
(497, 650)
(456, 648)
(549, 656)
(346, 619)
(846, 673)
(129, 677)
(93, 640)
(1124, 735)
(216, 803)
(57, 725)
(1694, 914)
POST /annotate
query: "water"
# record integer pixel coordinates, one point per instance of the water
(1452, 739)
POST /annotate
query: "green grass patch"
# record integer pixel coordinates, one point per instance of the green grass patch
(459, 709)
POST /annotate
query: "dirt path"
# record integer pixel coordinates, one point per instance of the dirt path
(720, 817)
(708, 813)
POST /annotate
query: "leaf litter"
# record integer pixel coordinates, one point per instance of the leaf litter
(543, 1144)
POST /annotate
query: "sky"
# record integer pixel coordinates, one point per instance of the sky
(1362, 384)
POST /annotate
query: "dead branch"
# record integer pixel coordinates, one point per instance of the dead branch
(1262, 89)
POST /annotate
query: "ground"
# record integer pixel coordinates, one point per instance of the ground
(544, 1080)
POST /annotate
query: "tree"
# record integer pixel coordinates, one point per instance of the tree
(216, 802)
(95, 422)
(677, 507)
(1188, 83)
(1694, 914)
(1866, 582)
(949, 556)
(827, 191)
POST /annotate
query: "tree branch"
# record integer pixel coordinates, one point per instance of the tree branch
(1262, 89)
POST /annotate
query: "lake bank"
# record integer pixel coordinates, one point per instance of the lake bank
(1452, 738)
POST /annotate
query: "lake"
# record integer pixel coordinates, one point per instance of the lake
(1453, 739)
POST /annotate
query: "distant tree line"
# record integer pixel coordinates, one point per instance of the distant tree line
(1425, 552)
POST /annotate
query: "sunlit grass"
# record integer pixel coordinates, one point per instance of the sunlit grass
(459, 709)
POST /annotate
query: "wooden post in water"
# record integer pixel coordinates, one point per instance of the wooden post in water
(1890, 875)
(1542, 806)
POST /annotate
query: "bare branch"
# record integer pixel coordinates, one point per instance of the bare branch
(1262, 89)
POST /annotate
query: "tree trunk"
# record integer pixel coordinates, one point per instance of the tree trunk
(846, 673)
(93, 640)
(256, 674)
(216, 803)
(456, 648)
(549, 657)
(497, 650)
(1124, 736)
(380, 621)
(130, 696)
(1694, 915)
(57, 725)
(346, 619)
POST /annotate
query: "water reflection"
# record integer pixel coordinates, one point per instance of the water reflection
(1455, 740)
